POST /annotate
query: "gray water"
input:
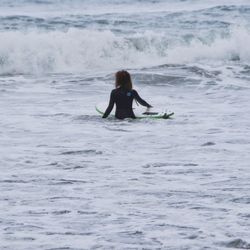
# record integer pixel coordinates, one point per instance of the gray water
(71, 180)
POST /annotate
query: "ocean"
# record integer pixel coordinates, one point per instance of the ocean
(72, 180)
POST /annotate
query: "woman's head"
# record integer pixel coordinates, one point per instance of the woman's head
(123, 80)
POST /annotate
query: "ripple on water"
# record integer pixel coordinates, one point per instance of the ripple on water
(69, 166)
(209, 143)
(65, 181)
(61, 212)
(244, 215)
(80, 152)
(242, 200)
(238, 243)
(88, 118)
(169, 164)
(64, 248)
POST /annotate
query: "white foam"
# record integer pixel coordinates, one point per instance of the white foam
(73, 51)
(88, 50)
(231, 47)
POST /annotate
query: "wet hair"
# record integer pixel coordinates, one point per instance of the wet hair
(123, 80)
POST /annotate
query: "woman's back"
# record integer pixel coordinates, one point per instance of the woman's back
(123, 98)
(124, 101)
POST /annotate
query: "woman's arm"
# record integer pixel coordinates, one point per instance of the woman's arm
(140, 100)
(110, 106)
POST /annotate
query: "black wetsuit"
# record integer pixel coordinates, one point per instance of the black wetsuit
(123, 99)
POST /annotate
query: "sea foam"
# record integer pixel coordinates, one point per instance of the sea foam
(86, 50)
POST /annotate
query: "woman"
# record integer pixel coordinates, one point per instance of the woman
(123, 96)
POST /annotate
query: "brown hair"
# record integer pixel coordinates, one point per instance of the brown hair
(123, 80)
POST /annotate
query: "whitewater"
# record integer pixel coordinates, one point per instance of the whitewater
(72, 180)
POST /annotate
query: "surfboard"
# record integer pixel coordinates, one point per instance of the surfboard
(140, 112)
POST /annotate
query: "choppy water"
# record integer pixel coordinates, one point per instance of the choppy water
(71, 180)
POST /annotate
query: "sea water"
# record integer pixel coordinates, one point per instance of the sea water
(72, 180)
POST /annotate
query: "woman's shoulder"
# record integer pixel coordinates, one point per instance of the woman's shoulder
(118, 90)
(134, 91)
(115, 91)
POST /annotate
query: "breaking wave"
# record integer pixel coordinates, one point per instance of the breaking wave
(87, 50)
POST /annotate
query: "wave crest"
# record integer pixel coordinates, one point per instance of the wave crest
(86, 50)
